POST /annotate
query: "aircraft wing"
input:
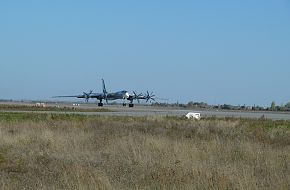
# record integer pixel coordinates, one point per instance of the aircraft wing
(148, 96)
(133, 97)
(136, 97)
(73, 96)
(87, 95)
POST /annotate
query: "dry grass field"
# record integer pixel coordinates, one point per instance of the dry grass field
(48, 151)
(51, 108)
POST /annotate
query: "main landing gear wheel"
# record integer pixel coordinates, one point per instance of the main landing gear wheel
(131, 105)
(100, 104)
(124, 104)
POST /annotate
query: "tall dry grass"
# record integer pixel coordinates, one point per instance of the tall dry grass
(82, 152)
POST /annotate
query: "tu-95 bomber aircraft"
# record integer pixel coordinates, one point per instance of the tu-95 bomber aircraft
(123, 95)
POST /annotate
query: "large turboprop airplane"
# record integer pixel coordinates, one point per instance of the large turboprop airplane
(124, 95)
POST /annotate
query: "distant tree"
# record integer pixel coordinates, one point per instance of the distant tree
(190, 104)
(287, 105)
(273, 106)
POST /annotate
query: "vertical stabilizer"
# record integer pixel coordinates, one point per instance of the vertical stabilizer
(105, 91)
(104, 87)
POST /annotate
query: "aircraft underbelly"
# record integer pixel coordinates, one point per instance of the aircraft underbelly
(114, 97)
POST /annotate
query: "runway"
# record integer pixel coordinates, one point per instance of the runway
(151, 111)
(139, 110)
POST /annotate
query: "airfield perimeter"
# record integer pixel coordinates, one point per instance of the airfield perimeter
(141, 110)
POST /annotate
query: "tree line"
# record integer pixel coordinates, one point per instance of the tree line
(204, 105)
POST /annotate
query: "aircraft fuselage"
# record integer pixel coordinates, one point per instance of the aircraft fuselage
(118, 95)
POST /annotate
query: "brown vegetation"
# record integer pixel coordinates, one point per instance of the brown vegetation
(22, 107)
(44, 151)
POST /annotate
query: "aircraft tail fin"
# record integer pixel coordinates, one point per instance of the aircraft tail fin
(104, 90)
(104, 87)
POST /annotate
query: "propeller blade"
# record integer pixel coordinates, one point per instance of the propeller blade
(149, 96)
(87, 95)
(136, 96)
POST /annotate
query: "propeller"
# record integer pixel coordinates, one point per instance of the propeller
(87, 95)
(150, 96)
(137, 96)
(106, 97)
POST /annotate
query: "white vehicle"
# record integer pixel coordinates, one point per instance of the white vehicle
(192, 115)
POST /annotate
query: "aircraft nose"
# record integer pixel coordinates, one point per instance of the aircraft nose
(127, 95)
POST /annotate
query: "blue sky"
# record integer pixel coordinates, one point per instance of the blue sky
(227, 51)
